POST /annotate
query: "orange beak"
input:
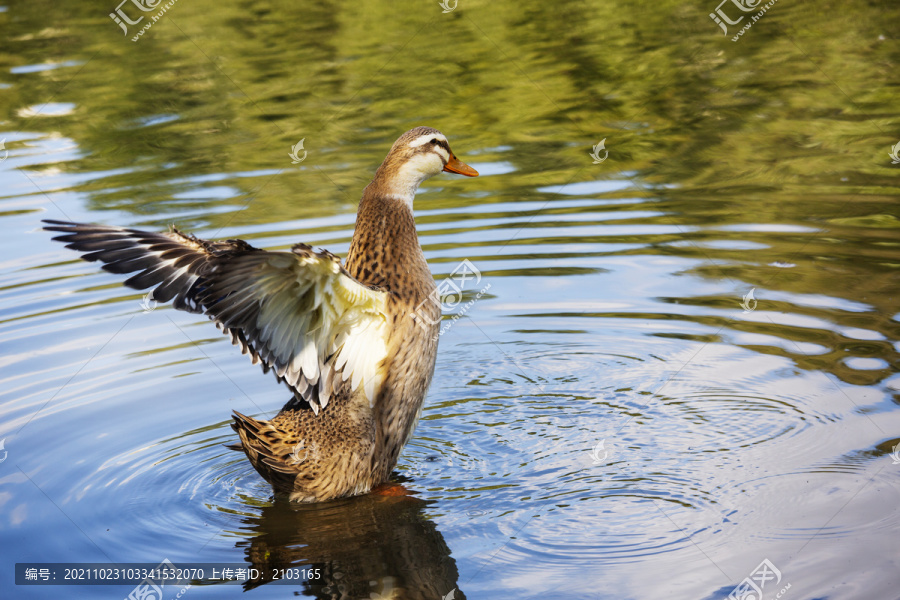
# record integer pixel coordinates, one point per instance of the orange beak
(454, 165)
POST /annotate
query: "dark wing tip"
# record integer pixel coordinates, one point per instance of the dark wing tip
(302, 249)
(244, 421)
(54, 225)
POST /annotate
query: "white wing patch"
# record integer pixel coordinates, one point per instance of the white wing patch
(358, 356)
(297, 312)
(315, 322)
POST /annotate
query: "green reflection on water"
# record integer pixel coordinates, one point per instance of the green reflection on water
(789, 126)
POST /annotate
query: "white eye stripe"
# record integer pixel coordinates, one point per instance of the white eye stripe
(444, 154)
(424, 139)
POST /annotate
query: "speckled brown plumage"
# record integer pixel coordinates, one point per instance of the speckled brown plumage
(364, 445)
(355, 343)
(386, 236)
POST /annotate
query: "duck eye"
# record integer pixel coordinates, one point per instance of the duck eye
(434, 140)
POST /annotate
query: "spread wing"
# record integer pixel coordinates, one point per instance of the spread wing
(299, 313)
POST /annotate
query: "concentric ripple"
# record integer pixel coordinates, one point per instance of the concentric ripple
(191, 478)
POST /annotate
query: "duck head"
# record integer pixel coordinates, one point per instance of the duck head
(418, 154)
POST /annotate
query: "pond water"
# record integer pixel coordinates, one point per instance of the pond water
(616, 416)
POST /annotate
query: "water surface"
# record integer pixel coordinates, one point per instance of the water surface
(606, 421)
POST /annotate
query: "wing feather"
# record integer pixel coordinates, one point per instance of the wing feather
(299, 313)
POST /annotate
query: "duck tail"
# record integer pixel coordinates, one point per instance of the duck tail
(260, 442)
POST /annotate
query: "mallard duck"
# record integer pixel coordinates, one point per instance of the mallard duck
(356, 343)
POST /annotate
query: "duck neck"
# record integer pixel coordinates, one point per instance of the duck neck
(385, 250)
(397, 178)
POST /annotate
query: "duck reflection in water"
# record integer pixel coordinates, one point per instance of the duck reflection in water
(372, 547)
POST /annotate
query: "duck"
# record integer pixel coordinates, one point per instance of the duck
(356, 342)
